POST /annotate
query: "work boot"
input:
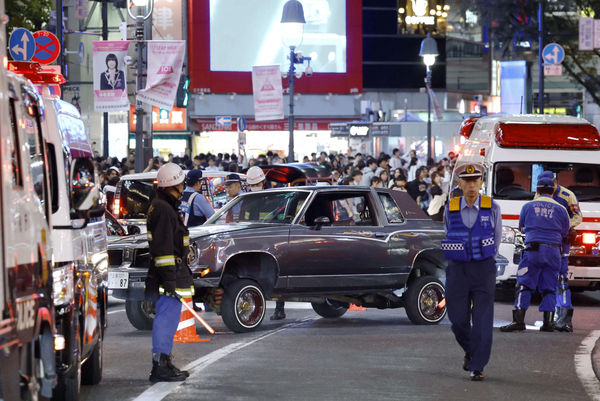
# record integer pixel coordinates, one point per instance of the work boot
(162, 372)
(548, 325)
(170, 364)
(564, 322)
(466, 361)
(279, 311)
(518, 323)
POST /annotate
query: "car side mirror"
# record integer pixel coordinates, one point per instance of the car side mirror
(321, 221)
(133, 229)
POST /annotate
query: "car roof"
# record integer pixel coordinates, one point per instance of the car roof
(151, 175)
(535, 119)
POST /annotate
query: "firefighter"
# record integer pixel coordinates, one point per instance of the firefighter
(564, 307)
(473, 232)
(194, 206)
(545, 223)
(169, 273)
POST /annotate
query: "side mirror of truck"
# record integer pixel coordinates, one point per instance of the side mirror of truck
(85, 193)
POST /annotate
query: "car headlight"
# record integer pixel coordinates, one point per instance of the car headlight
(508, 235)
(62, 284)
(193, 254)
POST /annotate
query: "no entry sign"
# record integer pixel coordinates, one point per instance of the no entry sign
(47, 47)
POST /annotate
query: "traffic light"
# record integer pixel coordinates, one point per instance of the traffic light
(183, 95)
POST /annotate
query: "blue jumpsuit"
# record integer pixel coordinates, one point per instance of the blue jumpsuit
(545, 223)
(472, 234)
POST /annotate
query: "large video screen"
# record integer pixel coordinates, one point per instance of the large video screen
(246, 33)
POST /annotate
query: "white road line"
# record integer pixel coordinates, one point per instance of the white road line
(110, 312)
(160, 390)
(584, 368)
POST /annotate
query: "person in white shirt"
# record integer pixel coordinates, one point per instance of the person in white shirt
(395, 162)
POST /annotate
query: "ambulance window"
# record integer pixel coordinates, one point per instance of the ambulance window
(53, 176)
(15, 154)
(36, 151)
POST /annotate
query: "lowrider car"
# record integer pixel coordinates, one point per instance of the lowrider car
(329, 245)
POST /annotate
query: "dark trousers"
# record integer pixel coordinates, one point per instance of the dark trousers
(538, 270)
(470, 303)
(166, 320)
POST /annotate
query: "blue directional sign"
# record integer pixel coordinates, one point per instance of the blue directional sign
(553, 53)
(21, 45)
(241, 124)
(223, 121)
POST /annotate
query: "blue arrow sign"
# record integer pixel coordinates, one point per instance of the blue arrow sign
(223, 121)
(553, 53)
(241, 124)
(21, 45)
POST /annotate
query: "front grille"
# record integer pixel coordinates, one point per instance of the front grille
(115, 257)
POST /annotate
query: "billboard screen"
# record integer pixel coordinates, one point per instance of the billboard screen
(228, 37)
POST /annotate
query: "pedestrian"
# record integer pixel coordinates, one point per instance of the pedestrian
(417, 188)
(233, 186)
(169, 275)
(545, 223)
(564, 306)
(473, 233)
(368, 172)
(195, 208)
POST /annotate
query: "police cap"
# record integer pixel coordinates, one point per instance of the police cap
(545, 181)
(471, 171)
(193, 176)
(232, 179)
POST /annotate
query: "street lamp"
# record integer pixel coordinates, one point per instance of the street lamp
(429, 51)
(143, 10)
(292, 29)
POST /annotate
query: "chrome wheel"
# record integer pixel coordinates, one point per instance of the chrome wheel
(432, 303)
(250, 306)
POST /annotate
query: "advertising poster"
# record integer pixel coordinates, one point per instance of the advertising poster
(165, 60)
(110, 75)
(268, 93)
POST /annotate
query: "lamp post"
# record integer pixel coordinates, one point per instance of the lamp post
(144, 10)
(292, 27)
(429, 51)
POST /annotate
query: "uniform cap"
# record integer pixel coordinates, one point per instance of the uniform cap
(544, 181)
(546, 174)
(193, 176)
(255, 175)
(232, 179)
(471, 171)
(169, 175)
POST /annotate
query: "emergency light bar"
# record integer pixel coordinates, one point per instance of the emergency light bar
(35, 73)
(547, 136)
(466, 128)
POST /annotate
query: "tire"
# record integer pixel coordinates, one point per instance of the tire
(91, 371)
(422, 299)
(140, 314)
(329, 310)
(69, 383)
(243, 307)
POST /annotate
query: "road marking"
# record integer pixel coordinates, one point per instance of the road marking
(584, 368)
(160, 390)
(115, 311)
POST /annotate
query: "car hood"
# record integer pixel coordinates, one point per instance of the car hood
(211, 229)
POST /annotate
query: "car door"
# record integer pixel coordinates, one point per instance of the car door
(348, 253)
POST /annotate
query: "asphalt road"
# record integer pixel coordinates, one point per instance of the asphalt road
(365, 355)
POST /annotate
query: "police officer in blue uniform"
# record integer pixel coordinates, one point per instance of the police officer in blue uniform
(473, 230)
(545, 223)
(194, 206)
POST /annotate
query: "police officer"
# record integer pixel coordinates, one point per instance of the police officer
(169, 274)
(473, 230)
(564, 307)
(545, 223)
(233, 186)
(194, 206)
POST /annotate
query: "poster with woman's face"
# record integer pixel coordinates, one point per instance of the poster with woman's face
(110, 76)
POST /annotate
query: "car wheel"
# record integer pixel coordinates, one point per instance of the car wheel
(140, 314)
(243, 308)
(69, 383)
(329, 309)
(424, 300)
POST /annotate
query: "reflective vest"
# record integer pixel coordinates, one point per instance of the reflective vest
(463, 244)
(187, 209)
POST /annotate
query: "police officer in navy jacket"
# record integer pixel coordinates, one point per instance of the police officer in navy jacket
(545, 223)
(473, 233)
(194, 206)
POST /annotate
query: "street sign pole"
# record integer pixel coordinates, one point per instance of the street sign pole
(541, 57)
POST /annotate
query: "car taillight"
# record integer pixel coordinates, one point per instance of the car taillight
(116, 205)
(588, 238)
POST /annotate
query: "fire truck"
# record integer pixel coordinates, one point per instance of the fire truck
(27, 330)
(514, 150)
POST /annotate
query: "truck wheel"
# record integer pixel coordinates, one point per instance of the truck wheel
(91, 371)
(422, 300)
(329, 309)
(243, 308)
(140, 314)
(69, 383)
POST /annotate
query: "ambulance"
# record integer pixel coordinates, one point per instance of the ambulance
(514, 150)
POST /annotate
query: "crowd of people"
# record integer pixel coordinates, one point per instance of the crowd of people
(428, 184)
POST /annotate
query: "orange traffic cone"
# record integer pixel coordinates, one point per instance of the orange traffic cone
(186, 331)
(355, 307)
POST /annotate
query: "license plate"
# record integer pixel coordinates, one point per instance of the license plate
(118, 280)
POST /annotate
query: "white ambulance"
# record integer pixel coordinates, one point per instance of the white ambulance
(514, 150)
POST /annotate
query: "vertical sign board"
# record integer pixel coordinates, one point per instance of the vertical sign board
(167, 20)
(596, 33)
(512, 86)
(268, 93)
(586, 33)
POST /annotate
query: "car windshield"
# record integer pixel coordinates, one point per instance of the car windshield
(262, 207)
(518, 181)
(135, 197)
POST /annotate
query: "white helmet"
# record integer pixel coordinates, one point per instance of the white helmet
(169, 175)
(255, 175)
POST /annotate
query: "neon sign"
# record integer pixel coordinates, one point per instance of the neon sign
(419, 10)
